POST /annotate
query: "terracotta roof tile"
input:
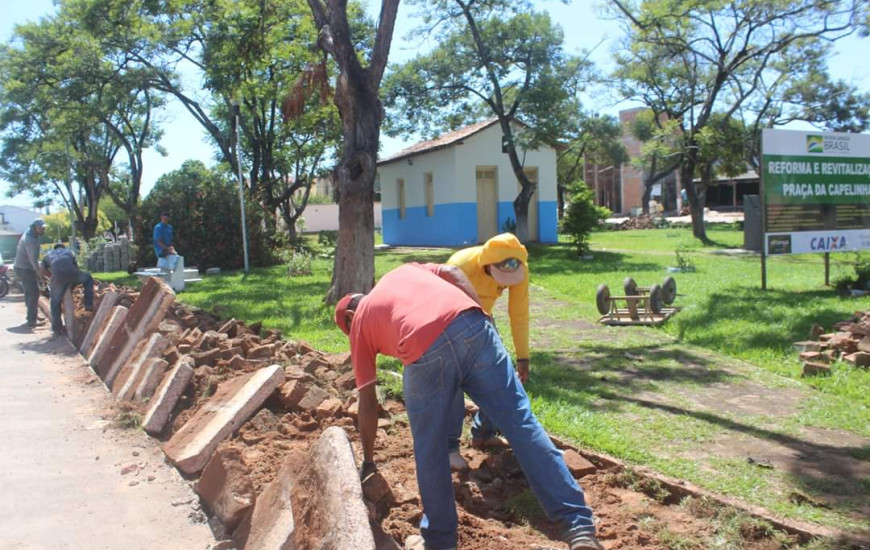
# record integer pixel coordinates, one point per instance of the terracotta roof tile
(445, 140)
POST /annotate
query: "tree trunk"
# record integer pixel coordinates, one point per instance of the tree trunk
(696, 204)
(361, 113)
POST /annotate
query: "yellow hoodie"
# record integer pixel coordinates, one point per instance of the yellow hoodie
(473, 261)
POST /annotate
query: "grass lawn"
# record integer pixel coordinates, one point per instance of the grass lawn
(651, 396)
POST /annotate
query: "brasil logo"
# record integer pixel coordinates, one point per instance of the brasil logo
(815, 144)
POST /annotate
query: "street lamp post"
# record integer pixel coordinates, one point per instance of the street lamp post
(235, 105)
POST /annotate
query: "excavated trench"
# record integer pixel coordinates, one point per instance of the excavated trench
(265, 429)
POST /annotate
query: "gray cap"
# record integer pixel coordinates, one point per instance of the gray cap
(38, 222)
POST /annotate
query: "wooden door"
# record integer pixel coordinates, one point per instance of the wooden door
(487, 203)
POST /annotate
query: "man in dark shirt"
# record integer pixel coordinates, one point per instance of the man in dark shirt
(64, 273)
(27, 268)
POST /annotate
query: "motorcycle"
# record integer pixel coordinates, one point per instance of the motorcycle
(5, 282)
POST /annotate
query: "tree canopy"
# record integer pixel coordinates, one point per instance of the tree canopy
(497, 59)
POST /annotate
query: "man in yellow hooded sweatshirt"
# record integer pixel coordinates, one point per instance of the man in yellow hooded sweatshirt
(498, 264)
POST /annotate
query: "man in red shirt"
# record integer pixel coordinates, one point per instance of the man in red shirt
(428, 316)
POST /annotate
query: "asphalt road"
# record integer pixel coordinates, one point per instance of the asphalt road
(69, 477)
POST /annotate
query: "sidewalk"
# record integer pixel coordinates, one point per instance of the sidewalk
(68, 477)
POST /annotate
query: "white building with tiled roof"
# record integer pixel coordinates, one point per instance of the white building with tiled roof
(459, 189)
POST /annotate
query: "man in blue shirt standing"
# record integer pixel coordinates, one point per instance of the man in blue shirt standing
(65, 272)
(163, 248)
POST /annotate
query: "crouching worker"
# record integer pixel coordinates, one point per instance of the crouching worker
(65, 272)
(428, 316)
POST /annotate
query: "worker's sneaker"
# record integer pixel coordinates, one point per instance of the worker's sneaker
(585, 542)
(416, 542)
(494, 442)
(457, 463)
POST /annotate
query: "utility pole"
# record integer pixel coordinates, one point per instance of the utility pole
(236, 130)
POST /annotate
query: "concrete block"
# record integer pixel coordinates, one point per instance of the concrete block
(270, 526)
(112, 326)
(333, 511)
(340, 493)
(69, 318)
(145, 314)
(104, 311)
(234, 402)
(167, 396)
(127, 380)
(152, 374)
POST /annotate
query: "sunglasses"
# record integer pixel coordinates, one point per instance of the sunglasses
(511, 264)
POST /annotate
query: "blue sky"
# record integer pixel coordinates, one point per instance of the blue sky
(183, 138)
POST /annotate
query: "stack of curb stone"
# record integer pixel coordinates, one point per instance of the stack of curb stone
(850, 343)
(109, 257)
(198, 383)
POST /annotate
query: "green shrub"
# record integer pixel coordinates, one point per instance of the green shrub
(582, 216)
(299, 264)
(203, 207)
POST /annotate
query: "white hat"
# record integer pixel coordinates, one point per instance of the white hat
(508, 272)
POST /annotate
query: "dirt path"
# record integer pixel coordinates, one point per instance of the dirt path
(68, 478)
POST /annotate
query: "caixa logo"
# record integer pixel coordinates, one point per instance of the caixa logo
(826, 244)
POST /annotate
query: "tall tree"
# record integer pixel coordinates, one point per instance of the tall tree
(681, 56)
(284, 155)
(357, 98)
(66, 116)
(500, 54)
(798, 87)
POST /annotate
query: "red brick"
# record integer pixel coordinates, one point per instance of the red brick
(261, 352)
(206, 357)
(859, 359)
(292, 392)
(329, 408)
(346, 381)
(312, 398)
(816, 369)
(577, 465)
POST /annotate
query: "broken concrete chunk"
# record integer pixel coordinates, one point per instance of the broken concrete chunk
(235, 401)
(226, 488)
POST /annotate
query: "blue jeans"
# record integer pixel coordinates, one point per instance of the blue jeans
(469, 356)
(60, 285)
(481, 425)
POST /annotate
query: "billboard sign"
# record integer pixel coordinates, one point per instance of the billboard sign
(816, 191)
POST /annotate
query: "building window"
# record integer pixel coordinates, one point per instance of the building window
(429, 188)
(400, 197)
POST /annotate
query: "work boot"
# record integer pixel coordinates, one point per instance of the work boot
(494, 442)
(416, 542)
(585, 542)
(457, 463)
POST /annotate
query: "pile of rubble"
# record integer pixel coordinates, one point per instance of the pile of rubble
(644, 221)
(197, 385)
(850, 343)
